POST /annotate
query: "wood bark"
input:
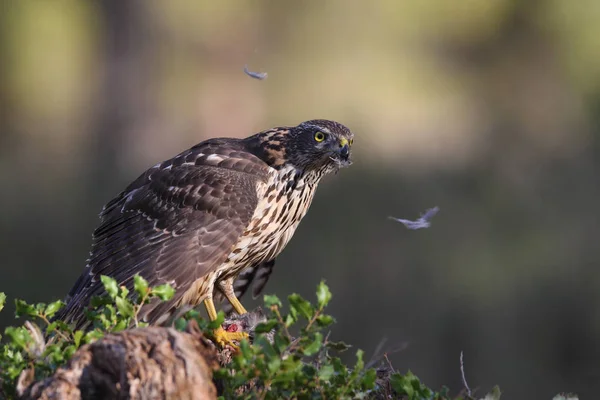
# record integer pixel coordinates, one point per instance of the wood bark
(144, 363)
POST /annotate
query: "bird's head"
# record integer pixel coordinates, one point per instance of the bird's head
(313, 145)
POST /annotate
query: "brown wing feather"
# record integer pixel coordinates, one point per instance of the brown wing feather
(174, 224)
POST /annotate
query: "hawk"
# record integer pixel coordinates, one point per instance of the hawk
(224, 207)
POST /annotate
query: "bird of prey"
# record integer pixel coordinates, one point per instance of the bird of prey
(224, 207)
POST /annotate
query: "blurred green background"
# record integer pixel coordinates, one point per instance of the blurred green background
(488, 109)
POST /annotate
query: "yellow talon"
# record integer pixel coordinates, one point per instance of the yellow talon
(237, 306)
(222, 337)
(210, 309)
(225, 338)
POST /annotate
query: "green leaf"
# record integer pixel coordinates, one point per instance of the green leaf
(401, 385)
(192, 314)
(444, 393)
(163, 292)
(409, 385)
(300, 306)
(280, 343)
(323, 294)
(22, 308)
(265, 346)
(180, 324)
(92, 336)
(110, 285)
(266, 327)
(77, 336)
(325, 320)
(124, 291)
(309, 372)
(20, 336)
(338, 346)
(495, 395)
(99, 301)
(53, 307)
(274, 364)
(51, 327)
(121, 325)
(55, 354)
(2, 300)
(326, 372)
(69, 351)
(339, 367)
(360, 364)
(217, 322)
(59, 325)
(140, 285)
(272, 300)
(368, 380)
(39, 308)
(246, 350)
(315, 346)
(125, 307)
(291, 318)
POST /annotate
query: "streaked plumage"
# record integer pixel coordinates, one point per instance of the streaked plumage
(199, 219)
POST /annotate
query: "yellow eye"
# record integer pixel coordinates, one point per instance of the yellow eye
(319, 136)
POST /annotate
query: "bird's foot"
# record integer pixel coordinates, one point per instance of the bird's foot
(229, 337)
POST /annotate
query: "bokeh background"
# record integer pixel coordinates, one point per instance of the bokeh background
(488, 109)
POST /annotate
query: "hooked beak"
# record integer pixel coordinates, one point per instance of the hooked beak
(344, 149)
(343, 152)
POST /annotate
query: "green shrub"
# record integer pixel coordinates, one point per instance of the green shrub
(276, 365)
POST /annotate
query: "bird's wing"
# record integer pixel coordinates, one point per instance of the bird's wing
(175, 224)
(256, 276)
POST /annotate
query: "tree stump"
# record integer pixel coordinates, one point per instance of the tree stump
(144, 363)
